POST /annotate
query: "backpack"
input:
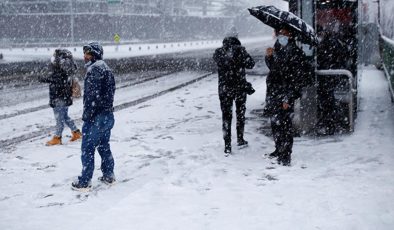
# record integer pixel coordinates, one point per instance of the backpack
(75, 88)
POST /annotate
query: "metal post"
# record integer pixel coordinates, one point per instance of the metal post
(306, 9)
(378, 2)
(205, 7)
(72, 22)
(378, 11)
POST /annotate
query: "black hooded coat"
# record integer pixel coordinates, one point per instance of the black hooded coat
(232, 59)
(63, 67)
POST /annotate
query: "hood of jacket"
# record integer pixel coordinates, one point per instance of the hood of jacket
(229, 42)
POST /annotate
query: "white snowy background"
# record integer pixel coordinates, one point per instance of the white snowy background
(172, 173)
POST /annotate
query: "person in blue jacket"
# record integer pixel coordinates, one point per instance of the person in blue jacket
(98, 117)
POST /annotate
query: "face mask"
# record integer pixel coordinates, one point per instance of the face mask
(283, 40)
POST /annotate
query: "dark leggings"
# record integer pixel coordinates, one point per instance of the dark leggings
(226, 104)
(282, 131)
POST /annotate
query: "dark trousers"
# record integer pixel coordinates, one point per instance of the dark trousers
(326, 106)
(282, 132)
(226, 105)
(96, 134)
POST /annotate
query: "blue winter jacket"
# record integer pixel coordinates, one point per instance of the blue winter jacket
(99, 90)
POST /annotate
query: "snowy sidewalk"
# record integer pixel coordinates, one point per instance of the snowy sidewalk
(172, 173)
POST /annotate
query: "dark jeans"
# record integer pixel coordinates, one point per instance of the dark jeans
(282, 132)
(226, 105)
(96, 134)
(326, 106)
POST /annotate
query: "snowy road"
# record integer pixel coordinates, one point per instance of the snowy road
(123, 50)
(13, 97)
(172, 174)
(36, 118)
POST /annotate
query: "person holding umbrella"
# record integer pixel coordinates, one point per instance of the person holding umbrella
(287, 64)
(290, 70)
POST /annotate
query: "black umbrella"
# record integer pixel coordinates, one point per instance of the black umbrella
(279, 19)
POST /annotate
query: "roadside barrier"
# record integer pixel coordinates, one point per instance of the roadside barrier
(127, 47)
(387, 54)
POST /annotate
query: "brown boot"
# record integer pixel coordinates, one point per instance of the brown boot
(76, 135)
(56, 140)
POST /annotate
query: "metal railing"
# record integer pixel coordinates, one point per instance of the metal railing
(387, 54)
(350, 78)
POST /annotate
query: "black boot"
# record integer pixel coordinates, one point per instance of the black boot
(284, 159)
(227, 150)
(273, 154)
(242, 143)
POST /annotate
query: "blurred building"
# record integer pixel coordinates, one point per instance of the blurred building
(32, 22)
(139, 7)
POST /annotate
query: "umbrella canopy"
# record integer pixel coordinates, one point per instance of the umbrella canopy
(279, 19)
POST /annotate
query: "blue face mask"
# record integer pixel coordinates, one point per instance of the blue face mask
(283, 40)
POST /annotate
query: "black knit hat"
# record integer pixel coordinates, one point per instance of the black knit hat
(94, 49)
(63, 60)
(63, 54)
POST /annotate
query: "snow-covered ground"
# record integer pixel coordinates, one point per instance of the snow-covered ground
(172, 174)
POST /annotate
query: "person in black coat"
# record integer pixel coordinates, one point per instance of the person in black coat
(60, 93)
(232, 59)
(330, 55)
(288, 65)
